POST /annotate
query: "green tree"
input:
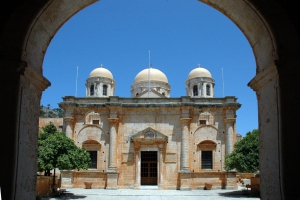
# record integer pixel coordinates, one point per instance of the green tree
(56, 150)
(245, 157)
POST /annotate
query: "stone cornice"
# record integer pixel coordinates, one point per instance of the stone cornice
(230, 120)
(113, 120)
(37, 80)
(185, 120)
(263, 78)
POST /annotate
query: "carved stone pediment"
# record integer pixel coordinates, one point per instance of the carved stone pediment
(149, 136)
(207, 144)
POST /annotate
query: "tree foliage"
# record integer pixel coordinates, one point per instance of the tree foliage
(56, 150)
(245, 157)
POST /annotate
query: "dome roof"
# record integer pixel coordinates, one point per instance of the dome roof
(155, 75)
(199, 72)
(101, 72)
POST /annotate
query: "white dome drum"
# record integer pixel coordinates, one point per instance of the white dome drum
(100, 83)
(200, 83)
(159, 86)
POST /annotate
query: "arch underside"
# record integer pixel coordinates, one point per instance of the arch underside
(31, 26)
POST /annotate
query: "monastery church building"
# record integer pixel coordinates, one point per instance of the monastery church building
(150, 138)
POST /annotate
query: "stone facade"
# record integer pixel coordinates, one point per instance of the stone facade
(177, 129)
(151, 139)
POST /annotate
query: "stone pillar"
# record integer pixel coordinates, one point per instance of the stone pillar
(275, 122)
(204, 89)
(160, 172)
(199, 89)
(101, 90)
(109, 90)
(68, 126)
(212, 94)
(229, 124)
(112, 172)
(66, 178)
(137, 183)
(185, 172)
(21, 91)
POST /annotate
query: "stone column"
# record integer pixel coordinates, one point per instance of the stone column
(212, 94)
(271, 116)
(160, 172)
(101, 90)
(229, 124)
(185, 172)
(184, 162)
(109, 90)
(21, 91)
(112, 172)
(68, 126)
(204, 89)
(137, 183)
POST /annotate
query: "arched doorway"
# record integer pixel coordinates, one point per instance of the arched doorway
(28, 27)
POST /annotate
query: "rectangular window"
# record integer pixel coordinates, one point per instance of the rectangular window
(95, 121)
(93, 156)
(206, 159)
(201, 121)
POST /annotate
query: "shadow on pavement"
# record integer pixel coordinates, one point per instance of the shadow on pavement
(66, 195)
(236, 194)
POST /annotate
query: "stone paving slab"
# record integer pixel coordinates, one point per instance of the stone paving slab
(129, 194)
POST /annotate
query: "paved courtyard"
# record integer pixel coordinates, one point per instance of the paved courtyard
(128, 194)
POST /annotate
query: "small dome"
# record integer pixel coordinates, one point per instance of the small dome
(101, 72)
(199, 72)
(155, 75)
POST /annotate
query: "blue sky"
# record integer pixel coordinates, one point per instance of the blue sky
(180, 34)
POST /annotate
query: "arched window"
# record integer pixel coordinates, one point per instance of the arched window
(207, 90)
(92, 90)
(195, 90)
(163, 94)
(137, 94)
(104, 90)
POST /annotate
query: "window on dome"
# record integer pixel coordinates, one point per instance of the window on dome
(208, 90)
(163, 94)
(195, 90)
(137, 94)
(104, 90)
(92, 90)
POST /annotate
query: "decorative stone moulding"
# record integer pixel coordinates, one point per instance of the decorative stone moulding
(207, 144)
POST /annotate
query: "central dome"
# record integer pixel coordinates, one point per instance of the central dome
(199, 72)
(155, 75)
(101, 72)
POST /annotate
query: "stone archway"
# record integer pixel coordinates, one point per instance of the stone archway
(28, 27)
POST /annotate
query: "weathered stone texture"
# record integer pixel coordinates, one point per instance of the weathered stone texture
(176, 134)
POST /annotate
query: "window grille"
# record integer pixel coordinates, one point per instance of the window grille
(93, 156)
(195, 90)
(206, 160)
(207, 90)
(104, 90)
(92, 90)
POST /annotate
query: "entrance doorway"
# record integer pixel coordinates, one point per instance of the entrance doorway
(149, 168)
